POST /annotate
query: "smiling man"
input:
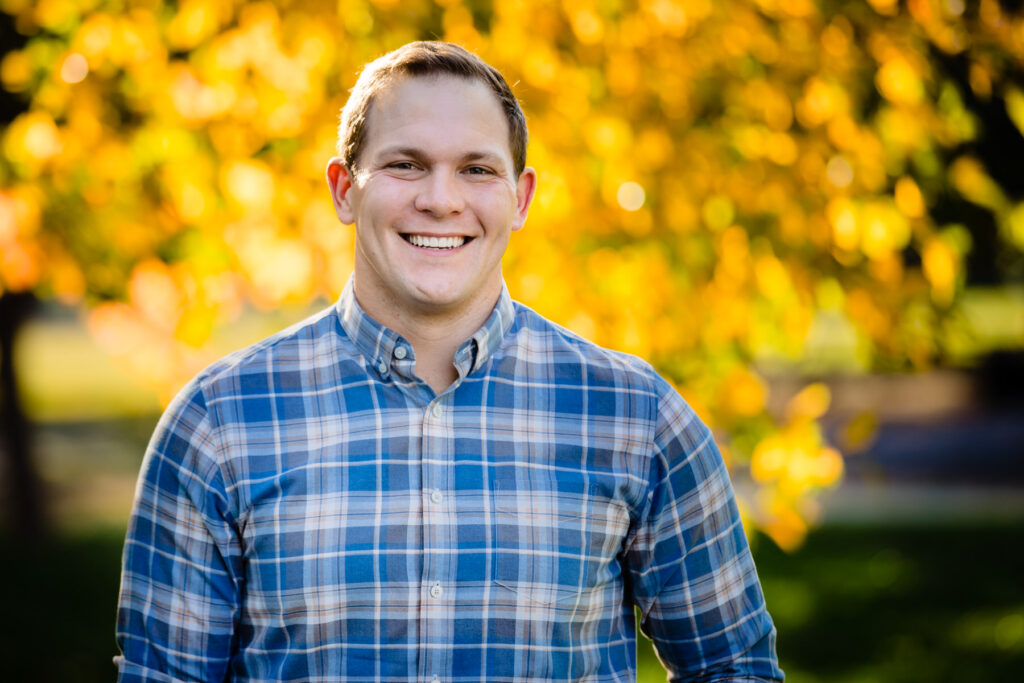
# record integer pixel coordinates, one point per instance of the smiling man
(434, 192)
(429, 481)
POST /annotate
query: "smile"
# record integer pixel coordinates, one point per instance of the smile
(434, 242)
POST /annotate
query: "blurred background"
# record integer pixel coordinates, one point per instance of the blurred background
(808, 214)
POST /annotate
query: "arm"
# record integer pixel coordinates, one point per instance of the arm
(181, 579)
(691, 570)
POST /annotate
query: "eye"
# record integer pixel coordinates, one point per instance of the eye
(401, 166)
(479, 170)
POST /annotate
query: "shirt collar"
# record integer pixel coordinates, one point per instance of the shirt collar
(388, 351)
(488, 338)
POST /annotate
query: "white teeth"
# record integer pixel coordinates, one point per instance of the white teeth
(433, 242)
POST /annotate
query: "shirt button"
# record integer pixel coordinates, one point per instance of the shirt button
(435, 590)
(435, 679)
(437, 410)
(383, 368)
(400, 352)
(436, 497)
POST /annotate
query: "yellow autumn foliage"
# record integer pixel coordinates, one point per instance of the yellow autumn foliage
(723, 185)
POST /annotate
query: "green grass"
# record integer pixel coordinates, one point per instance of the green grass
(900, 605)
(856, 605)
(60, 606)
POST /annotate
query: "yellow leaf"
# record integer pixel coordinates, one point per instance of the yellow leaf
(744, 393)
(899, 82)
(908, 198)
(940, 267)
(608, 136)
(587, 25)
(860, 431)
(249, 183)
(16, 71)
(811, 402)
(194, 21)
(32, 139)
(1014, 99)
(973, 182)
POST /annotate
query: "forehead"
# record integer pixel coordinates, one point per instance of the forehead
(426, 106)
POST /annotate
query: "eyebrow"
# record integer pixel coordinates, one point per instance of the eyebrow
(401, 152)
(483, 156)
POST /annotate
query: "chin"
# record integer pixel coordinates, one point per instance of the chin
(438, 302)
(436, 291)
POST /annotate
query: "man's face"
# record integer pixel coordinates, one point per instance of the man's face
(434, 199)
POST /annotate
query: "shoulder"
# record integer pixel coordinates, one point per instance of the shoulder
(537, 340)
(285, 356)
(540, 342)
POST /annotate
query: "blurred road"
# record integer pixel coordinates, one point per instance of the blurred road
(948, 444)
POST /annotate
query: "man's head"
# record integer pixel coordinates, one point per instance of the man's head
(433, 182)
(425, 59)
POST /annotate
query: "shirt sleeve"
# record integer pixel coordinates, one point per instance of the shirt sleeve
(181, 579)
(690, 566)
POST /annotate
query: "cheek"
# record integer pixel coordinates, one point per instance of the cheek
(378, 207)
(495, 203)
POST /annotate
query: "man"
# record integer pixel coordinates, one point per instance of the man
(428, 481)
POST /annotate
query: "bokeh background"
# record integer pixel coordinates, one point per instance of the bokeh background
(808, 214)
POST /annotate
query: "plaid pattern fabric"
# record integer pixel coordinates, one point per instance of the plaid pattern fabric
(309, 511)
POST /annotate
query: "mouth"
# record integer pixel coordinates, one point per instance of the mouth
(436, 242)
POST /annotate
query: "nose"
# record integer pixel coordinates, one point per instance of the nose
(440, 195)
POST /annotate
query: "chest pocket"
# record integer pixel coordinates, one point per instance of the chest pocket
(555, 547)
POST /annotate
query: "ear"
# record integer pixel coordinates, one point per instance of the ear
(340, 181)
(525, 187)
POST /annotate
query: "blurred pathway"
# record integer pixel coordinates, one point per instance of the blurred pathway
(948, 446)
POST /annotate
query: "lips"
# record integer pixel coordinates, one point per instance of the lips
(435, 241)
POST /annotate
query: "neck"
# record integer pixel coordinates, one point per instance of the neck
(435, 335)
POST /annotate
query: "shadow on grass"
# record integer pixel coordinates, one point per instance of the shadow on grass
(908, 604)
(60, 608)
(876, 603)
(871, 603)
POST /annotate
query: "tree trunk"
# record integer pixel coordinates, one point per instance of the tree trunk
(24, 490)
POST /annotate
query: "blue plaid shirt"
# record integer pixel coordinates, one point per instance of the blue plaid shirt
(308, 510)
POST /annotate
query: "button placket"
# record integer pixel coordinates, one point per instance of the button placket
(438, 579)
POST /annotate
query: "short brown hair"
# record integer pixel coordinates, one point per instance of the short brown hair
(426, 58)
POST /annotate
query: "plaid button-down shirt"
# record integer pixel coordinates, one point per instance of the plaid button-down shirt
(308, 510)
